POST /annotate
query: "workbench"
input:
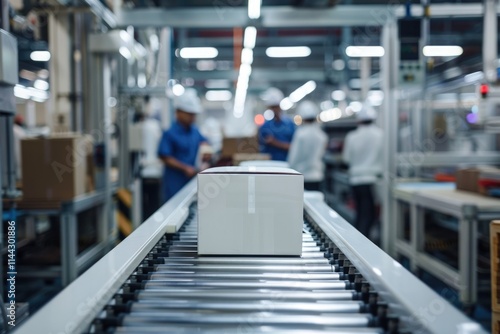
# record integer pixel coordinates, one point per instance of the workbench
(471, 210)
(71, 262)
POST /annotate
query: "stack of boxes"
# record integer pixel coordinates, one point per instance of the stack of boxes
(484, 180)
(241, 149)
(55, 169)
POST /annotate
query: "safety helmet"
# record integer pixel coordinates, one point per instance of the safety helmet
(367, 113)
(188, 102)
(272, 97)
(308, 110)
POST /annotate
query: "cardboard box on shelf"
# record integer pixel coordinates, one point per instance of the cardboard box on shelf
(231, 146)
(239, 157)
(54, 168)
(468, 179)
(495, 322)
(250, 211)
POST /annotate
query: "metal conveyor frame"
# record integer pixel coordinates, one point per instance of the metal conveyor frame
(73, 310)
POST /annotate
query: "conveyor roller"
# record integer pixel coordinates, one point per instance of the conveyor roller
(174, 290)
(154, 282)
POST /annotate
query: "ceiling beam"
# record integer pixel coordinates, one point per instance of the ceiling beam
(285, 16)
(316, 74)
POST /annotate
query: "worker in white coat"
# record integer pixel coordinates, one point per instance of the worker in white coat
(308, 147)
(363, 152)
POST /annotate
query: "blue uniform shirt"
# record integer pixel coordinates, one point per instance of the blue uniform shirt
(182, 144)
(282, 130)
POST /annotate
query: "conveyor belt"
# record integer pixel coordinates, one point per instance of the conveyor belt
(175, 291)
(153, 282)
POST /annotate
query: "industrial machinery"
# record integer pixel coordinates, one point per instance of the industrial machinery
(154, 282)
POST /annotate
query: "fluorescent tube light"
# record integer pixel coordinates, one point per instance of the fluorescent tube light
(201, 52)
(39, 94)
(247, 56)
(254, 9)
(286, 104)
(206, 65)
(245, 70)
(21, 92)
(218, 95)
(250, 37)
(239, 102)
(40, 55)
(364, 51)
(217, 83)
(41, 84)
(442, 50)
(125, 52)
(125, 36)
(288, 51)
(302, 91)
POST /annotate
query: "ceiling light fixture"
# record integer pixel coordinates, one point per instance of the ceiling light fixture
(364, 51)
(21, 92)
(218, 95)
(198, 52)
(206, 65)
(41, 84)
(286, 104)
(40, 55)
(250, 37)
(125, 36)
(217, 83)
(247, 56)
(254, 9)
(125, 52)
(288, 51)
(442, 50)
(302, 91)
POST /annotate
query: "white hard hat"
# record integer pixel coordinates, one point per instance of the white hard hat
(308, 110)
(188, 102)
(273, 96)
(367, 113)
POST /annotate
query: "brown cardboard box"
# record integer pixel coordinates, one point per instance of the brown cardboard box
(495, 322)
(495, 265)
(54, 168)
(468, 180)
(239, 157)
(230, 146)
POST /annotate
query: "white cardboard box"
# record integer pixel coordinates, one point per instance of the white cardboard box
(250, 211)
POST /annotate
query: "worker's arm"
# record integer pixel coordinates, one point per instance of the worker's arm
(172, 162)
(270, 140)
(165, 153)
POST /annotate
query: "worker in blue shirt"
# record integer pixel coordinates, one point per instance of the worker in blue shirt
(275, 135)
(179, 145)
